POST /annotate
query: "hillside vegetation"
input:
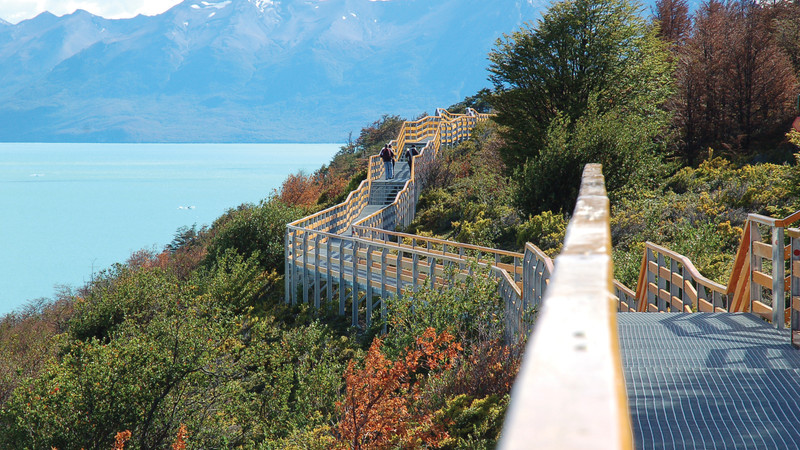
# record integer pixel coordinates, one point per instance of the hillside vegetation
(193, 347)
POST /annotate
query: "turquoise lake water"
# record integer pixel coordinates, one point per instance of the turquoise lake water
(68, 210)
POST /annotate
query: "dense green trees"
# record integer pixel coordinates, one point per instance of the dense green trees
(569, 92)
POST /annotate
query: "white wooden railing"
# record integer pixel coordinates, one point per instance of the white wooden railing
(668, 281)
(759, 282)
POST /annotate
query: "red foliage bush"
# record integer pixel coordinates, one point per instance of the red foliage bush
(380, 406)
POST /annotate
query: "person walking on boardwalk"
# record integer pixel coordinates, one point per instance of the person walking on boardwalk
(395, 156)
(387, 156)
(410, 154)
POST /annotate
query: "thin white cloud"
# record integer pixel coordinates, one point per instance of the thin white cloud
(17, 10)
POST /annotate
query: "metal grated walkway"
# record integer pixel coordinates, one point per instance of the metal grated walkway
(707, 380)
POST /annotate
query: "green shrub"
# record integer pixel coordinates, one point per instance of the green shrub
(472, 423)
(250, 229)
(700, 212)
(546, 231)
(623, 143)
(469, 308)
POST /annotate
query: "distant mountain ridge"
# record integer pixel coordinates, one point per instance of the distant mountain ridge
(244, 70)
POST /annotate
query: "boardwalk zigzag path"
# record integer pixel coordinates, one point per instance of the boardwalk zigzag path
(680, 361)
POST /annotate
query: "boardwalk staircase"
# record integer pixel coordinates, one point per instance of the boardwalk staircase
(715, 369)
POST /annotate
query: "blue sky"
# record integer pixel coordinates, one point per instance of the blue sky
(16, 10)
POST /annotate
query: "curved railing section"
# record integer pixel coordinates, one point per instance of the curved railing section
(444, 128)
(760, 281)
(362, 269)
(668, 281)
(522, 277)
(337, 218)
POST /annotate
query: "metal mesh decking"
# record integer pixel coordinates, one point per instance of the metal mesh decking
(710, 381)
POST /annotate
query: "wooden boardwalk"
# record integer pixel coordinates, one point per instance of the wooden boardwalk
(680, 361)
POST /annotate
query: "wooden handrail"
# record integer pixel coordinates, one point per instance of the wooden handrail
(685, 285)
(542, 255)
(570, 392)
(430, 125)
(773, 222)
(687, 263)
(432, 128)
(349, 198)
(393, 246)
(446, 242)
(419, 251)
(306, 248)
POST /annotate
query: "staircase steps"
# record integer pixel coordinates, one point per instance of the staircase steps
(383, 193)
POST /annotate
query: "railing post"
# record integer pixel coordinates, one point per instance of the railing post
(287, 283)
(540, 283)
(778, 278)
(329, 279)
(384, 293)
(673, 288)
(702, 294)
(342, 282)
(304, 273)
(294, 267)
(316, 271)
(528, 278)
(432, 271)
(794, 296)
(414, 271)
(354, 290)
(651, 281)
(399, 274)
(717, 300)
(687, 300)
(661, 283)
(755, 265)
(369, 286)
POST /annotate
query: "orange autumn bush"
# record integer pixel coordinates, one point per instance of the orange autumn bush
(300, 189)
(120, 439)
(180, 439)
(380, 408)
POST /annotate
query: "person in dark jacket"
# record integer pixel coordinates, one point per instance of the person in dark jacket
(410, 154)
(387, 155)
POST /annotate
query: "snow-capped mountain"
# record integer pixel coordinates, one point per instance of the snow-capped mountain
(244, 70)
